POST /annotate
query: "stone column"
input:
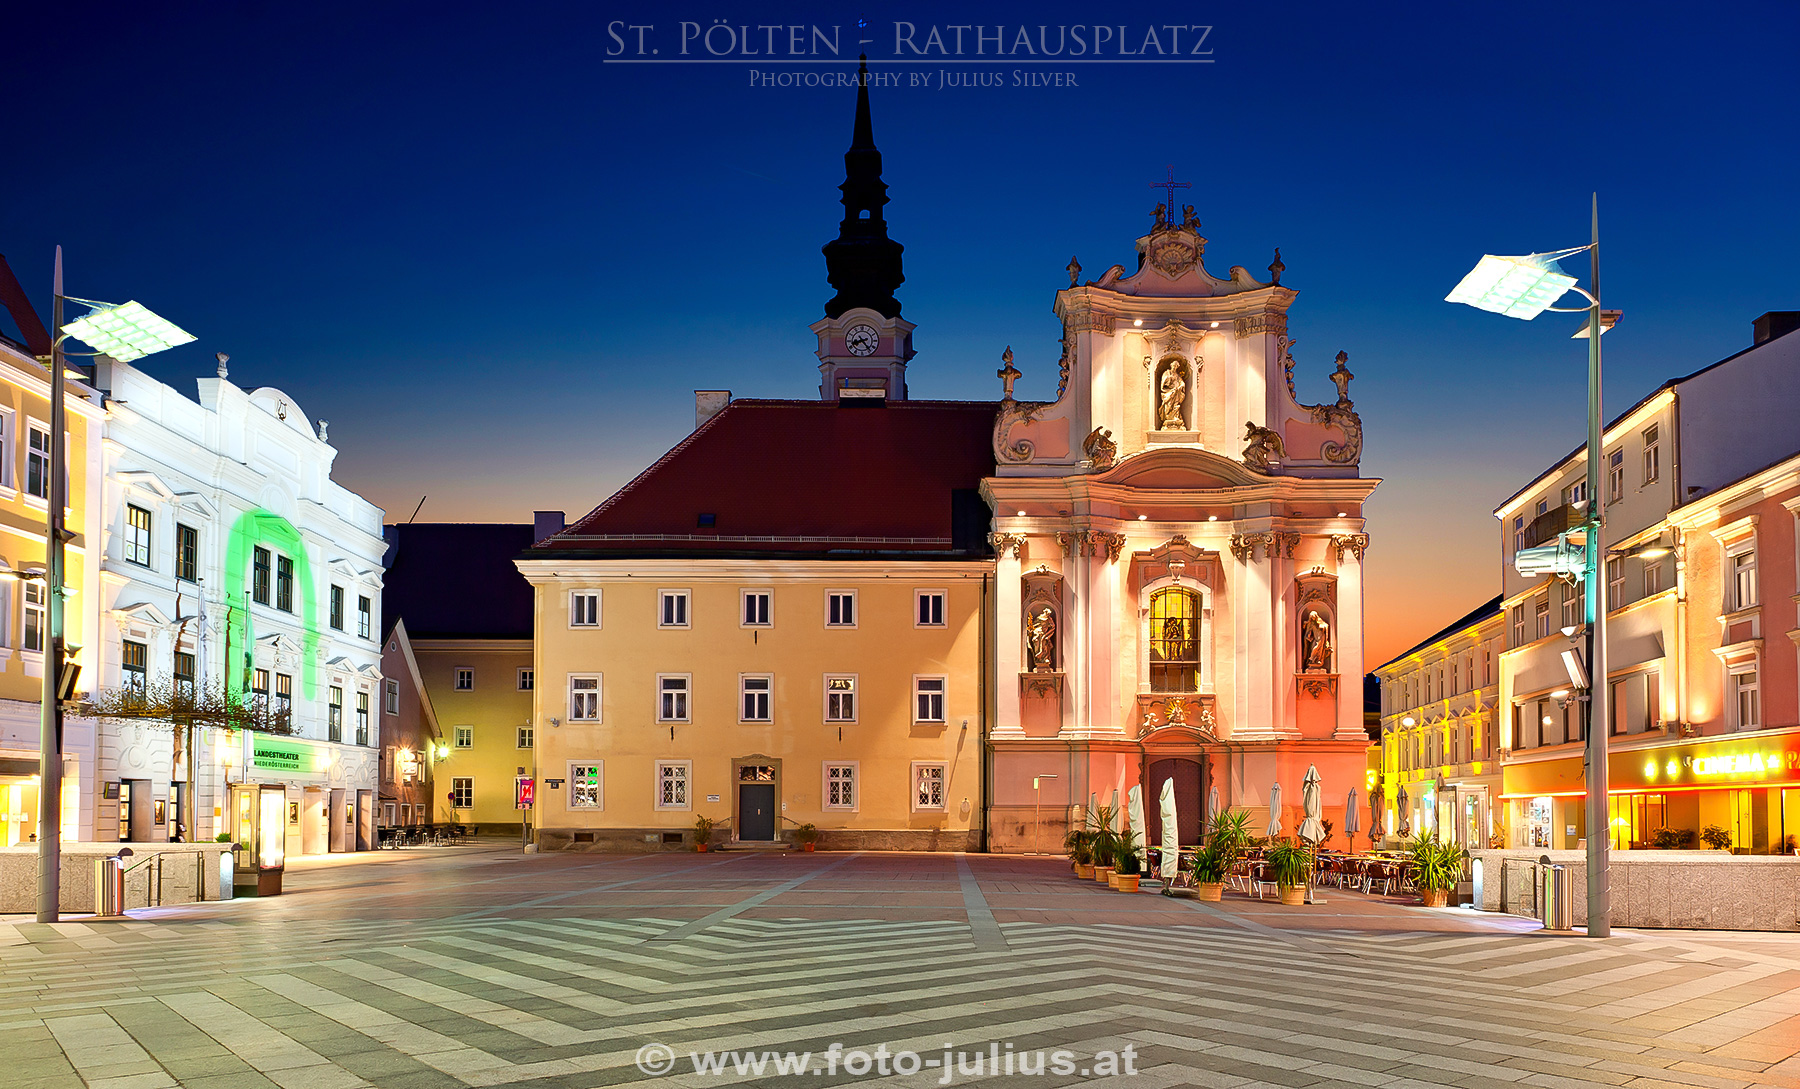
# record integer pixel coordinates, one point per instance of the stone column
(1009, 637)
(1349, 650)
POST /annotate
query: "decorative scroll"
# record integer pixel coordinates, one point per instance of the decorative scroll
(1252, 324)
(1004, 541)
(1246, 546)
(1353, 542)
(1013, 413)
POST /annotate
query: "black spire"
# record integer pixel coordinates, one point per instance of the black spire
(862, 262)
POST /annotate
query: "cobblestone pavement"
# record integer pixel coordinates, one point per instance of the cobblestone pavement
(479, 966)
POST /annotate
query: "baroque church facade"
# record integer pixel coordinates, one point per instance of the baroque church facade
(1155, 577)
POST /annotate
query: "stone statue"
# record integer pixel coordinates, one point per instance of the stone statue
(1171, 410)
(1189, 220)
(1315, 643)
(1101, 449)
(1041, 635)
(1265, 445)
(1162, 218)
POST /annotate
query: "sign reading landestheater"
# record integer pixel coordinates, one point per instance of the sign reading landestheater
(276, 754)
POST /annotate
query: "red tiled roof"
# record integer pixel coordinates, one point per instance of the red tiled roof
(807, 477)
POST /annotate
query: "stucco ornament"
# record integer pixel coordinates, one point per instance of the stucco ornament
(1264, 446)
(1040, 634)
(1315, 643)
(1101, 449)
(1342, 416)
(1171, 408)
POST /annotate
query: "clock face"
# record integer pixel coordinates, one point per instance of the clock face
(862, 339)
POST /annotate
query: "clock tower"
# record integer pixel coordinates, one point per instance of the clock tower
(864, 344)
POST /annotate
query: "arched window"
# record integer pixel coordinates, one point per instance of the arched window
(1175, 641)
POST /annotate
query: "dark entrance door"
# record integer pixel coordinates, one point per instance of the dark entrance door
(1189, 798)
(756, 811)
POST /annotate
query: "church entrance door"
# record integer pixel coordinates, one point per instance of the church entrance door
(1190, 796)
(756, 811)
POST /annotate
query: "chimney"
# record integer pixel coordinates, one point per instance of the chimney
(709, 403)
(545, 523)
(1773, 324)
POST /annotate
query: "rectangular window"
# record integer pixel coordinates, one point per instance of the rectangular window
(1574, 606)
(464, 737)
(586, 787)
(840, 609)
(1543, 507)
(334, 715)
(388, 812)
(362, 718)
(187, 553)
(1575, 494)
(259, 575)
(1653, 577)
(134, 666)
(137, 535)
(1519, 533)
(184, 674)
(928, 699)
(1615, 583)
(34, 616)
(672, 784)
(37, 462)
(259, 687)
(757, 608)
(931, 608)
(840, 786)
(364, 616)
(1652, 455)
(337, 608)
(840, 699)
(674, 610)
(465, 679)
(284, 584)
(1747, 699)
(524, 738)
(584, 699)
(928, 786)
(1543, 618)
(462, 792)
(672, 698)
(1742, 561)
(391, 696)
(1615, 476)
(284, 694)
(584, 609)
(527, 679)
(755, 698)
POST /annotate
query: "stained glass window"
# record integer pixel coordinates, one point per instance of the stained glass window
(1175, 641)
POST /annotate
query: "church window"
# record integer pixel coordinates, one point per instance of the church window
(1175, 641)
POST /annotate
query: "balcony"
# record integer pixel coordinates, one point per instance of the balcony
(1545, 528)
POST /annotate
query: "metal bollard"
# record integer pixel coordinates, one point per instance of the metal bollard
(109, 885)
(1556, 907)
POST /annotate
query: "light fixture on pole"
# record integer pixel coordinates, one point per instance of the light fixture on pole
(125, 332)
(1524, 287)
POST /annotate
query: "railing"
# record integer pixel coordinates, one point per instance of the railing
(154, 866)
(1545, 527)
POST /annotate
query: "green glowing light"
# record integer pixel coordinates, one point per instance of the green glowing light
(126, 332)
(1518, 287)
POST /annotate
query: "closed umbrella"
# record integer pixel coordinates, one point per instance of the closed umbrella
(1212, 806)
(1275, 811)
(1400, 803)
(1135, 799)
(1088, 819)
(1116, 813)
(1312, 805)
(1352, 819)
(1171, 840)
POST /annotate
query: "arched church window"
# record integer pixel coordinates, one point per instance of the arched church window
(1175, 641)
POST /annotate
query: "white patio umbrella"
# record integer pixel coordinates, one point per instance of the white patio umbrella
(1212, 806)
(1171, 829)
(1352, 819)
(1088, 817)
(1275, 811)
(1134, 798)
(1117, 814)
(1312, 805)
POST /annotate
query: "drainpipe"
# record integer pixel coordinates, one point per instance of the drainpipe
(981, 688)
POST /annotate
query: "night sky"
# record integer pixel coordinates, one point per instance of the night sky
(499, 265)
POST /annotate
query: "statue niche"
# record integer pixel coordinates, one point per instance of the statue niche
(1172, 395)
(1315, 643)
(1040, 640)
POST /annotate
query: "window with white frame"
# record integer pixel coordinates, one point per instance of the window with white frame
(672, 696)
(584, 698)
(840, 786)
(672, 784)
(1615, 583)
(336, 616)
(284, 584)
(673, 612)
(930, 613)
(184, 674)
(1746, 697)
(33, 620)
(259, 687)
(465, 678)
(527, 680)
(1518, 533)
(754, 706)
(8, 444)
(187, 553)
(1652, 455)
(1740, 565)
(284, 693)
(584, 609)
(37, 462)
(840, 698)
(462, 792)
(524, 738)
(134, 665)
(1653, 577)
(390, 696)
(1518, 625)
(334, 714)
(928, 699)
(928, 786)
(259, 575)
(587, 786)
(464, 737)
(1543, 507)
(365, 617)
(1572, 605)
(1543, 617)
(137, 535)
(1615, 476)
(1575, 494)
(362, 718)
(840, 609)
(388, 812)
(757, 608)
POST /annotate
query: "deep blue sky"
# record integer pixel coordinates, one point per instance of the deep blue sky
(499, 266)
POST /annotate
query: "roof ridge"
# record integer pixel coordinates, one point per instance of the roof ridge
(648, 472)
(1474, 616)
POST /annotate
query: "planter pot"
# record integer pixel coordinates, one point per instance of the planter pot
(1126, 882)
(1434, 898)
(1112, 879)
(1292, 895)
(1213, 891)
(807, 847)
(1103, 874)
(1084, 873)
(701, 847)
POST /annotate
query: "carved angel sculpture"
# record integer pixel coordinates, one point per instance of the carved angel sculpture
(1040, 634)
(1171, 409)
(1265, 445)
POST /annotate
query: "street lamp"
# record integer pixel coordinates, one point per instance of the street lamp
(1037, 828)
(1524, 287)
(124, 332)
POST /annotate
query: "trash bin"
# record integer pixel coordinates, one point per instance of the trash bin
(109, 884)
(1556, 900)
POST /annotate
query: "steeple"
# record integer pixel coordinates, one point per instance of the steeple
(862, 262)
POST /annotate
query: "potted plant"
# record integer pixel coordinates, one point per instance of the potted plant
(807, 836)
(1105, 841)
(1289, 863)
(1715, 837)
(1210, 866)
(1125, 858)
(703, 830)
(1437, 867)
(1079, 846)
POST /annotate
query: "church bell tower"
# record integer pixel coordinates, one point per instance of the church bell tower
(864, 344)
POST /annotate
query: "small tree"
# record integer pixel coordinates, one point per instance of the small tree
(1715, 837)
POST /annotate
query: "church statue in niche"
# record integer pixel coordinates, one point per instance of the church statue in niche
(1171, 404)
(1315, 643)
(1040, 637)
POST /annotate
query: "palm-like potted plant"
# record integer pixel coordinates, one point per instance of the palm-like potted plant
(1105, 841)
(1079, 844)
(1437, 867)
(807, 836)
(1129, 865)
(703, 830)
(1210, 866)
(1289, 863)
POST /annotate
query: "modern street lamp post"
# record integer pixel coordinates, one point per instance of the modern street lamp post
(1524, 287)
